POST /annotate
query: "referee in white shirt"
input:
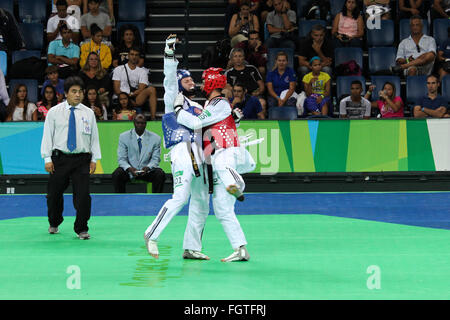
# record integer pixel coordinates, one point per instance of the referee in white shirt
(70, 147)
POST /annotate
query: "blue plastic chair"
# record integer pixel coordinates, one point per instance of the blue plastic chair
(405, 31)
(266, 32)
(336, 6)
(283, 113)
(4, 62)
(32, 86)
(416, 88)
(440, 27)
(381, 58)
(37, 9)
(382, 37)
(272, 53)
(344, 83)
(379, 81)
(33, 34)
(131, 10)
(301, 8)
(19, 55)
(445, 86)
(304, 26)
(342, 55)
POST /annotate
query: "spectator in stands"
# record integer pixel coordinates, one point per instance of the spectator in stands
(73, 8)
(133, 80)
(382, 6)
(440, 9)
(11, 38)
(355, 106)
(54, 23)
(19, 108)
(129, 37)
(416, 54)
(281, 24)
(389, 104)
(266, 6)
(96, 45)
(52, 74)
(106, 6)
(249, 105)
(124, 110)
(409, 8)
(64, 53)
(48, 101)
(95, 16)
(348, 26)
(246, 74)
(281, 83)
(242, 23)
(443, 57)
(432, 105)
(93, 75)
(317, 85)
(255, 52)
(4, 97)
(139, 155)
(92, 100)
(316, 44)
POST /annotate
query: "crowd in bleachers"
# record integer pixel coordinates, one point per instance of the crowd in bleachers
(313, 58)
(333, 49)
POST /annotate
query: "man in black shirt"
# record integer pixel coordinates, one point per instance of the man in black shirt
(316, 44)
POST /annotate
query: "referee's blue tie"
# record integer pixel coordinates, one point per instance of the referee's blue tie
(140, 145)
(71, 135)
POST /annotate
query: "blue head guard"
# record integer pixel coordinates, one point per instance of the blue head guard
(181, 74)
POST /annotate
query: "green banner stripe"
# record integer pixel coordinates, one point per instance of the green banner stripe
(331, 146)
(420, 155)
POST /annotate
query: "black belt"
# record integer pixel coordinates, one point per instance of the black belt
(59, 153)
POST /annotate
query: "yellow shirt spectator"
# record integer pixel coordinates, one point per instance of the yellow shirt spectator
(317, 86)
(101, 49)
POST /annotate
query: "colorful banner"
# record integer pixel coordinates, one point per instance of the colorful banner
(333, 145)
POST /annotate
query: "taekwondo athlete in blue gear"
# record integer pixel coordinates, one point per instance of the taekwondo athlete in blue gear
(186, 158)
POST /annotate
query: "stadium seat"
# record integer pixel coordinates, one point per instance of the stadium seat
(301, 8)
(342, 55)
(416, 88)
(4, 62)
(343, 85)
(7, 5)
(382, 37)
(336, 7)
(19, 54)
(32, 86)
(37, 9)
(381, 59)
(272, 53)
(139, 24)
(266, 32)
(445, 87)
(283, 113)
(33, 34)
(405, 31)
(379, 81)
(304, 26)
(440, 27)
(132, 11)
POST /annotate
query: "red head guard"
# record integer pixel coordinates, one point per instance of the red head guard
(213, 79)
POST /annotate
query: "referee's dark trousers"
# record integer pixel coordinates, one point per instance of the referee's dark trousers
(68, 167)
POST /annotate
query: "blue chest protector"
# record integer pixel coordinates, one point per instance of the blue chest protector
(175, 133)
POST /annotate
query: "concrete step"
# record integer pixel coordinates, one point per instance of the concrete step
(157, 47)
(178, 20)
(195, 33)
(178, 6)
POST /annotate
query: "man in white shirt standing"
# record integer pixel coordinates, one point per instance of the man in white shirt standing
(70, 147)
(133, 80)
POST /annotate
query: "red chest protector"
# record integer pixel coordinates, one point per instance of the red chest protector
(220, 135)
